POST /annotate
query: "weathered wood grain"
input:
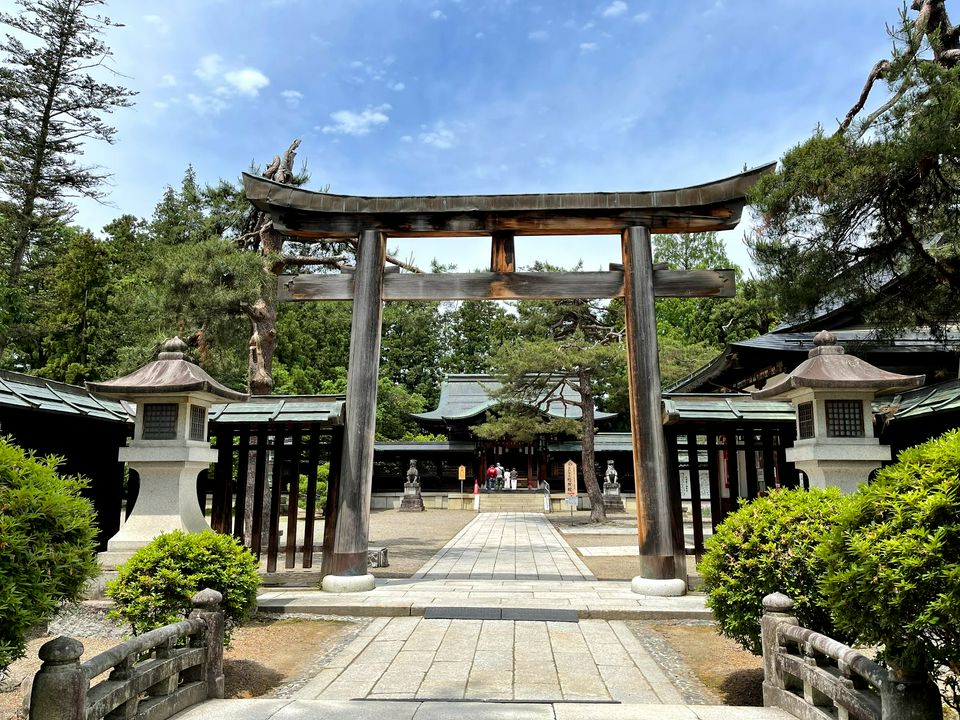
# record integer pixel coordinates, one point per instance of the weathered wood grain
(509, 286)
(349, 552)
(661, 556)
(710, 206)
(503, 257)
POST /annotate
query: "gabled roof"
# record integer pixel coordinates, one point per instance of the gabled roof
(464, 397)
(792, 348)
(35, 393)
(944, 397)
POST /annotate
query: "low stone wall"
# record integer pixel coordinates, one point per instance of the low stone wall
(458, 501)
(151, 676)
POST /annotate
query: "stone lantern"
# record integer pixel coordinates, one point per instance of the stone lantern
(169, 446)
(832, 394)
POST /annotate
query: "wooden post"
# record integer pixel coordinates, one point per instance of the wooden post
(503, 258)
(660, 556)
(349, 553)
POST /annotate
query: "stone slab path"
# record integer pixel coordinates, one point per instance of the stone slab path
(498, 560)
(506, 546)
(404, 666)
(403, 710)
(414, 658)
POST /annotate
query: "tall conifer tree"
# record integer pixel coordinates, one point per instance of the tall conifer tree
(51, 103)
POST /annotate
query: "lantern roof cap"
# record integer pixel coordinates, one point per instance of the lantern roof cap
(169, 374)
(828, 367)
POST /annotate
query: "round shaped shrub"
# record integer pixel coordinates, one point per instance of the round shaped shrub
(155, 586)
(766, 546)
(893, 559)
(47, 544)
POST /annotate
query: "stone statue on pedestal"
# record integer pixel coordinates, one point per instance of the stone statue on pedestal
(412, 499)
(612, 502)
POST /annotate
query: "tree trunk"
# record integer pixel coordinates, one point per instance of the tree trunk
(597, 511)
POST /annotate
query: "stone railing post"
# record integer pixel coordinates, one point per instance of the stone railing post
(777, 609)
(206, 605)
(909, 696)
(60, 686)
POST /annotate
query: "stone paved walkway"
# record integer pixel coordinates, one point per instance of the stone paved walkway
(409, 658)
(410, 667)
(507, 546)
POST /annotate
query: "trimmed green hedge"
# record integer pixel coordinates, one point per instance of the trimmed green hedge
(893, 559)
(47, 544)
(769, 545)
(155, 587)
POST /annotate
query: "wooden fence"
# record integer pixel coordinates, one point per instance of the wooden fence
(255, 492)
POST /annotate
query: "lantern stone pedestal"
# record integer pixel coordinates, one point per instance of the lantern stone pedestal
(169, 447)
(832, 394)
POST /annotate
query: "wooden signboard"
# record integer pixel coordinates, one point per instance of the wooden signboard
(570, 481)
(462, 473)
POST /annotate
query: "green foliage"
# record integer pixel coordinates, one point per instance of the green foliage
(868, 214)
(47, 544)
(472, 332)
(155, 586)
(323, 474)
(893, 559)
(769, 545)
(53, 106)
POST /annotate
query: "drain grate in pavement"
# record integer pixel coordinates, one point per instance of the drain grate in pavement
(495, 613)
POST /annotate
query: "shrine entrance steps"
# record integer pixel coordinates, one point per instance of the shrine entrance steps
(511, 501)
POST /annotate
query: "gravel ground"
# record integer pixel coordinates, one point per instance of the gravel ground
(413, 538)
(729, 674)
(603, 568)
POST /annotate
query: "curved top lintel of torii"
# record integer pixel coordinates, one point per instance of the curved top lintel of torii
(303, 213)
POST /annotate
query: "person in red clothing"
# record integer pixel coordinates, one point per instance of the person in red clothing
(491, 477)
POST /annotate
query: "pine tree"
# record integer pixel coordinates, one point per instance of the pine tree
(52, 104)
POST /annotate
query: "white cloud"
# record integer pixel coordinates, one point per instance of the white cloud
(247, 81)
(160, 105)
(398, 87)
(614, 9)
(167, 80)
(209, 68)
(158, 22)
(641, 17)
(438, 15)
(292, 97)
(440, 137)
(586, 47)
(406, 138)
(538, 35)
(207, 104)
(347, 122)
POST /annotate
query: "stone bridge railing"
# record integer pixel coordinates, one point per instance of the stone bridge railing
(175, 666)
(814, 677)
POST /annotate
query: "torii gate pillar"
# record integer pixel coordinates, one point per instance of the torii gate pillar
(663, 566)
(345, 569)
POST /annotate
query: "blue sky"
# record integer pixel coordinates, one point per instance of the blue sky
(407, 97)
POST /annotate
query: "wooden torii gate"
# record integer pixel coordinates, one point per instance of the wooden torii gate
(633, 215)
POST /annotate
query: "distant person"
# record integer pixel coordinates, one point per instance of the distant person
(513, 478)
(499, 476)
(491, 477)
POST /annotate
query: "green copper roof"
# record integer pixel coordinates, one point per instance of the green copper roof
(464, 397)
